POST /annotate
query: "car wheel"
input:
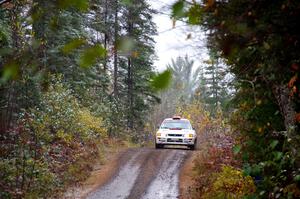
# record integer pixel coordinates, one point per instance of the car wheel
(193, 147)
(158, 146)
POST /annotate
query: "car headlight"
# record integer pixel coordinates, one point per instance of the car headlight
(191, 135)
(158, 134)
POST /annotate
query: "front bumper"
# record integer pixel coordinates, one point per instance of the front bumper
(175, 140)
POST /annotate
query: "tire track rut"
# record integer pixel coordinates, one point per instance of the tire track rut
(145, 173)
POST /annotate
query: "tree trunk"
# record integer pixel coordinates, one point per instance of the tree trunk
(287, 109)
(39, 28)
(286, 105)
(130, 95)
(105, 35)
(115, 84)
(129, 76)
(10, 110)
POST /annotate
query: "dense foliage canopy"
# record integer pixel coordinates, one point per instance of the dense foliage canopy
(259, 41)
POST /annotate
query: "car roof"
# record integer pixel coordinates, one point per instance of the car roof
(183, 119)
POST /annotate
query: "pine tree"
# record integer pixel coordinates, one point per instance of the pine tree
(213, 89)
(185, 80)
(136, 64)
(182, 89)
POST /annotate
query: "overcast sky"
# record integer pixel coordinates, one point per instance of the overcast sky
(172, 41)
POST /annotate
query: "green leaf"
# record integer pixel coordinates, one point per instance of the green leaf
(177, 9)
(277, 155)
(90, 55)
(10, 71)
(236, 149)
(266, 46)
(297, 178)
(162, 80)
(273, 144)
(81, 5)
(5, 51)
(245, 156)
(247, 170)
(256, 169)
(72, 45)
(127, 2)
(262, 193)
(126, 45)
(240, 28)
(195, 14)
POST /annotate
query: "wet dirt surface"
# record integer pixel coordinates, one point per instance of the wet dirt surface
(145, 173)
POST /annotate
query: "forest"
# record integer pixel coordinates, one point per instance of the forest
(78, 76)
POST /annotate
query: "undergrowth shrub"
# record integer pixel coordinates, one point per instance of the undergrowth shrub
(215, 162)
(207, 163)
(230, 183)
(52, 147)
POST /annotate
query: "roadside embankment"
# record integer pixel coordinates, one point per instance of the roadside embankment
(104, 168)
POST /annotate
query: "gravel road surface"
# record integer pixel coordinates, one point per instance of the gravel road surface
(145, 173)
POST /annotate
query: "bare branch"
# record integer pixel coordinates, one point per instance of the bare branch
(253, 88)
(4, 1)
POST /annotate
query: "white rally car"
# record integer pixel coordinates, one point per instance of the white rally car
(176, 131)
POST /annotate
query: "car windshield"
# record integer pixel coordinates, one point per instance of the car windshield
(176, 124)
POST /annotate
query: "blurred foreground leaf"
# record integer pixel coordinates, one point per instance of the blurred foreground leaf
(81, 5)
(90, 55)
(127, 2)
(195, 14)
(10, 71)
(162, 80)
(177, 9)
(297, 178)
(72, 45)
(274, 144)
(277, 155)
(126, 45)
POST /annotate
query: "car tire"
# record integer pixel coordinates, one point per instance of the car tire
(193, 147)
(158, 146)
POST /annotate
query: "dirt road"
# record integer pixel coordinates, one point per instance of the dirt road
(144, 173)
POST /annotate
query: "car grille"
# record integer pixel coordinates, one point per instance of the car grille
(174, 140)
(176, 135)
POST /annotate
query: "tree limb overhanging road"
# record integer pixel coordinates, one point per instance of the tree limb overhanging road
(145, 173)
